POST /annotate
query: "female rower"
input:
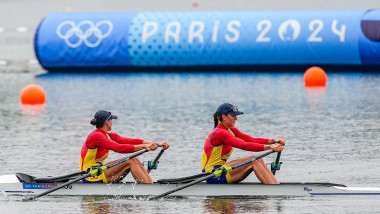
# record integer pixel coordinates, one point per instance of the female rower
(224, 138)
(96, 149)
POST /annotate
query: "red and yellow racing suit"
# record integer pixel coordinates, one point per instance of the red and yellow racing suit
(96, 149)
(219, 145)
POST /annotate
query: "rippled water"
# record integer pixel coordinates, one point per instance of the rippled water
(332, 134)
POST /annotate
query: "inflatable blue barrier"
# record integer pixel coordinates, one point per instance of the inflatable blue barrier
(249, 39)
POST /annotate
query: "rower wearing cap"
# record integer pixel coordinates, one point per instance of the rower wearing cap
(96, 149)
(224, 138)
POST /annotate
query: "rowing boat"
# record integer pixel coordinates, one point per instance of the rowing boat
(12, 185)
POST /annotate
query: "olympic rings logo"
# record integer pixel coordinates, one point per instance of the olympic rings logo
(85, 32)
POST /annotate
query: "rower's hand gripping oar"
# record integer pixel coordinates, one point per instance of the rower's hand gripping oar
(92, 173)
(153, 164)
(217, 173)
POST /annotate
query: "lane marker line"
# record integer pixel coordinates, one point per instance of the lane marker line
(31, 62)
(3, 62)
(21, 29)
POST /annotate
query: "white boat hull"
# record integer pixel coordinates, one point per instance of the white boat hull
(12, 186)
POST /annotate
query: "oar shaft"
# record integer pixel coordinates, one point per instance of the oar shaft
(276, 163)
(56, 188)
(158, 156)
(252, 159)
(127, 158)
(58, 178)
(183, 179)
(182, 187)
(156, 159)
(278, 157)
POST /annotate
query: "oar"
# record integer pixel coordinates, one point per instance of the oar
(153, 164)
(182, 179)
(59, 178)
(277, 164)
(219, 172)
(24, 178)
(92, 173)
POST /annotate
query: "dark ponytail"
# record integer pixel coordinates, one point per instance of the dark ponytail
(95, 123)
(217, 118)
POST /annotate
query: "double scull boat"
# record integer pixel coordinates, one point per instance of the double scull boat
(71, 184)
(18, 185)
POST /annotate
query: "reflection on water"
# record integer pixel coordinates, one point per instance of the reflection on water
(220, 206)
(315, 98)
(96, 205)
(32, 110)
(243, 205)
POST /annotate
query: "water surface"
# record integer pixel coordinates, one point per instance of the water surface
(332, 133)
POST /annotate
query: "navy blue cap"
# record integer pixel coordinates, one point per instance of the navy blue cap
(227, 108)
(102, 116)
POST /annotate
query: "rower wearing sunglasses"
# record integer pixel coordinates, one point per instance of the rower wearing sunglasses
(224, 138)
(96, 149)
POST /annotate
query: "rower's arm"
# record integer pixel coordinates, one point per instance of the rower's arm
(141, 147)
(241, 144)
(249, 138)
(125, 140)
(114, 146)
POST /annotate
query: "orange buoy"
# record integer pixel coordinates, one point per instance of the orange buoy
(315, 77)
(32, 95)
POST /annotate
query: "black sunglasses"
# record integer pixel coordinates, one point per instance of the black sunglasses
(233, 109)
(109, 116)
